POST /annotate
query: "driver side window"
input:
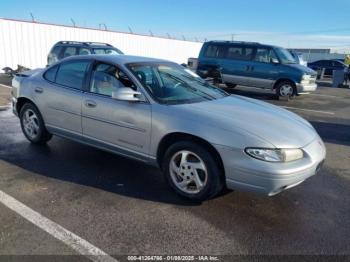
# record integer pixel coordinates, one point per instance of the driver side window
(108, 78)
(265, 55)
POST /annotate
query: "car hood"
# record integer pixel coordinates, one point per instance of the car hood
(273, 124)
(303, 69)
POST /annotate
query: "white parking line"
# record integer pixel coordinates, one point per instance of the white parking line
(309, 110)
(73, 241)
(310, 94)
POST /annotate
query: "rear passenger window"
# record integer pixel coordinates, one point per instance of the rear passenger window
(71, 74)
(84, 51)
(239, 53)
(50, 75)
(69, 51)
(215, 51)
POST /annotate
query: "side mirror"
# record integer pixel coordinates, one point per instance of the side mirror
(126, 94)
(274, 61)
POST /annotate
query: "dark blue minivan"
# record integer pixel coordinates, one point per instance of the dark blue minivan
(256, 65)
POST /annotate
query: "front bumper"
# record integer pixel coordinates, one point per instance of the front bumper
(245, 173)
(306, 87)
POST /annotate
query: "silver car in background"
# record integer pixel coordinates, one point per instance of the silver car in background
(160, 113)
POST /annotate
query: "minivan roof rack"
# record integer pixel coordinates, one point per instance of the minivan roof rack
(234, 42)
(82, 43)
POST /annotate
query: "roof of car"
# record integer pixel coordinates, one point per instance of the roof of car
(238, 43)
(118, 59)
(91, 44)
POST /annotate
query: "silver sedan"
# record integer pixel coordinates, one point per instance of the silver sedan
(160, 113)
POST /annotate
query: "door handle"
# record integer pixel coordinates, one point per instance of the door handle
(38, 90)
(90, 103)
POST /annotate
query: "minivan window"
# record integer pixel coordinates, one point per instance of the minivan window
(50, 74)
(264, 55)
(71, 74)
(285, 56)
(239, 53)
(215, 51)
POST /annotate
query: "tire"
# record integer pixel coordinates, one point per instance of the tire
(216, 75)
(32, 124)
(206, 170)
(286, 90)
(230, 85)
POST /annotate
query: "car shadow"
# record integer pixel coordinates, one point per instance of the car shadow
(333, 133)
(80, 164)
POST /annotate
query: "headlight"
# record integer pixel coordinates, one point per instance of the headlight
(275, 155)
(305, 79)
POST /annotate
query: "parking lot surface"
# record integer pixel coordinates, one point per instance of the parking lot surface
(124, 207)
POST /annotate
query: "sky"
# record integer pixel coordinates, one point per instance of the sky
(289, 23)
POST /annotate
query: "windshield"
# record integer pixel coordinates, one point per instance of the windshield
(170, 83)
(285, 56)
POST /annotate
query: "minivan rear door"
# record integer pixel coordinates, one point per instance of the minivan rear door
(210, 60)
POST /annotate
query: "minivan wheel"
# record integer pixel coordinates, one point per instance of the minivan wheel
(192, 171)
(32, 124)
(286, 89)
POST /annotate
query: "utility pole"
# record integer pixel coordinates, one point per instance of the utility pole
(151, 33)
(233, 37)
(131, 32)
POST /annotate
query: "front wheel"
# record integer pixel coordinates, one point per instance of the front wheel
(192, 171)
(286, 89)
(32, 124)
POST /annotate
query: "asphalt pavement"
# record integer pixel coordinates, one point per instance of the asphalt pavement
(124, 207)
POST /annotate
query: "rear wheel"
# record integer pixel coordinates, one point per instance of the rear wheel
(32, 124)
(286, 89)
(192, 171)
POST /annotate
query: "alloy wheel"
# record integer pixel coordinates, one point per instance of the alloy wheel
(31, 124)
(188, 172)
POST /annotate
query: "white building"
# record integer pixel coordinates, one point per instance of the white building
(28, 43)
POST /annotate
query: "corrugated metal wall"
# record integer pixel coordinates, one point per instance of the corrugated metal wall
(28, 43)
